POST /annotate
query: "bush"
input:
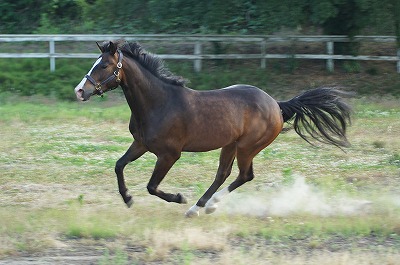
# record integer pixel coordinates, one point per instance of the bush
(28, 77)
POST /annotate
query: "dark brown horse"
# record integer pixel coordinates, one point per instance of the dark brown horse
(168, 118)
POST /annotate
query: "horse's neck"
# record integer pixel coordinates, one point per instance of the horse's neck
(142, 90)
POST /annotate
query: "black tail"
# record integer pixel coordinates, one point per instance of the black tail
(320, 113)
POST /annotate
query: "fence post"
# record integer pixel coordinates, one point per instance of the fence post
(329, 63)
(197, 62)
(52, 58)
(263, 52)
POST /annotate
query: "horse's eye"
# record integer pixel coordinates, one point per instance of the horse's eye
(104, 65)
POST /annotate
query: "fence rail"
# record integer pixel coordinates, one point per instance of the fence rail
(198, 42)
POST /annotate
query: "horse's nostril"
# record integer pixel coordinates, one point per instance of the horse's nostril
(79, 93)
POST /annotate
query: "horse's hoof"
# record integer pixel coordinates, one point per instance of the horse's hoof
(129, 203)
(211, 208)
(194, 211)
(191, 214)
(181, 199)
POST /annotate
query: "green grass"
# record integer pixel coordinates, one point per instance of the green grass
(58, 184)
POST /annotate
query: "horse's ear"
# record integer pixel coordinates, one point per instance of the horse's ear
(100, 47)
(113, 48)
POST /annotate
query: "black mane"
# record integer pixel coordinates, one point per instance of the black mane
(150, 61)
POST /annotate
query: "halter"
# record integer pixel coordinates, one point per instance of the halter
(115, 75)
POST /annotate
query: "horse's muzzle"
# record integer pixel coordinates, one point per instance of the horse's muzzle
(80, 94)
(83, 94)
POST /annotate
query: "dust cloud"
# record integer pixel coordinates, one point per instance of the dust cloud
(298, 198)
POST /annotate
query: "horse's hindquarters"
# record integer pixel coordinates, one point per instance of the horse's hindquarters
(242, 114)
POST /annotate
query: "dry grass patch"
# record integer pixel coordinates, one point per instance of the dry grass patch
(161, 243)
(265, 256)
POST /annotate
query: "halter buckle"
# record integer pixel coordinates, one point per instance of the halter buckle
(98, 88)
(117, 78)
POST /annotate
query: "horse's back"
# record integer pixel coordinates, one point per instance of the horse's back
(244, 95)
(242, 98)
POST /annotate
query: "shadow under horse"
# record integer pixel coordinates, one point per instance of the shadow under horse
(168, 118)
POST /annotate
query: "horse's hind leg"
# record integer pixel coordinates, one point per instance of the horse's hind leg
(135, 151)
(247, 148)
(245, 164)
(226, 159)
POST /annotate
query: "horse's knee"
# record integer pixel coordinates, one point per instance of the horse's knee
(119, 166)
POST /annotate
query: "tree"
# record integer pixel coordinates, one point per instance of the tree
(19, 16)
(343, 17)
(396, 18)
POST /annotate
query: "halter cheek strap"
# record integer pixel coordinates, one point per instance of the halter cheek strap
(115, 75)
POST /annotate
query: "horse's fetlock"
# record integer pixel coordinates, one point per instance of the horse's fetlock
(181, 199)
(129, 202)
(250, 177)
(152, 189)
(123, 192)
(202, 202)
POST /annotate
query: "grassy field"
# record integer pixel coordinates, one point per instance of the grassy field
(306, 205)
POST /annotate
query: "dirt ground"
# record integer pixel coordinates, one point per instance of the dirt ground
(334, 251)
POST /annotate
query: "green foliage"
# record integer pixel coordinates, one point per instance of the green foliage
(95, 229)
(27, 77)
(344, 17)
(334, 17)
(396, 17)
(32, 76)
(46, 26)
(189, 16)
(30, 16)
(348, 17)
(351, 67)
(20, 16)
(322, 10)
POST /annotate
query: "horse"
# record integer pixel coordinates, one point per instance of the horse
(168, 118)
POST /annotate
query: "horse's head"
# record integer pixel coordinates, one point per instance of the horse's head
(104, 75)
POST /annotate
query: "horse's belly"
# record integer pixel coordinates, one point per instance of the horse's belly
(210, 139)
(202, 146)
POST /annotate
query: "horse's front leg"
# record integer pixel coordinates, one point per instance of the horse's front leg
(135, 151)
(163, 165)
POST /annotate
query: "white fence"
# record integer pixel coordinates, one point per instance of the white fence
(199, 40)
